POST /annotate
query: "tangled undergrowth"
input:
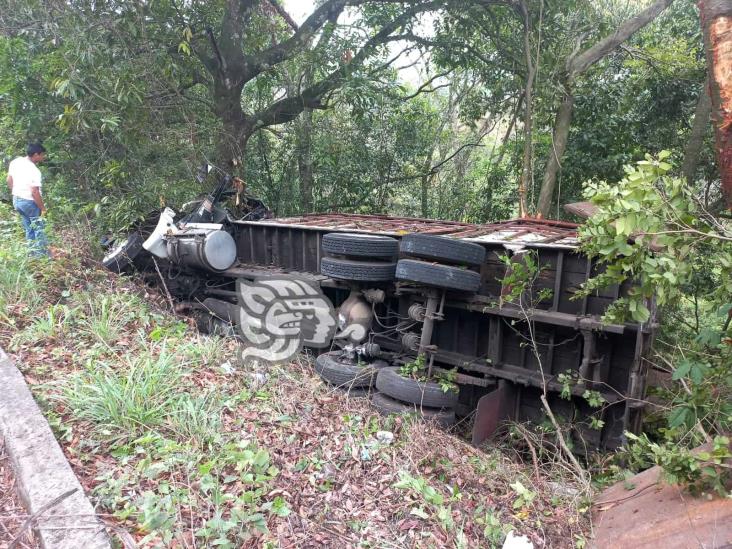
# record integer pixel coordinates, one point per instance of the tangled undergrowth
(181, 446)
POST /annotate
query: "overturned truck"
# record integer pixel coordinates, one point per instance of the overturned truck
(440, 335)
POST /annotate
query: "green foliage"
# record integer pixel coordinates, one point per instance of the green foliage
(125, 105)
(196, 418)
(414, 368)
(655, 239)
(446, 381)
(17, 285)
(519, 281)
(227, 486)
(53, 324)
(494, 530)
(105, 318)
(631, 104)
(430, 497)
(417, 369)
(648, 231)
(699, 471)
(524, 496)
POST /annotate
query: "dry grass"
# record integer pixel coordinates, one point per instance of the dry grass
(362, 506)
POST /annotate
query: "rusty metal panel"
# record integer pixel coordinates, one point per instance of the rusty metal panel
(529, 232)
(653, 513)
(492, 409)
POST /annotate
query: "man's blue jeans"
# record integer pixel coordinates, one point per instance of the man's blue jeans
(33, 224)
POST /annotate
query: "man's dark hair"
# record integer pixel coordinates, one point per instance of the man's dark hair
(35, 148)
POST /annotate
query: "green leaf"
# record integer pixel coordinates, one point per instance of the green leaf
(679, 416)
(682, 370)
(698, 371)
(419, 512)
(641, 314)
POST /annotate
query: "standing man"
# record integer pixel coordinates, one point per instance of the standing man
(24, 180)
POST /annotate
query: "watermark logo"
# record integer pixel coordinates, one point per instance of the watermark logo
(278, 316)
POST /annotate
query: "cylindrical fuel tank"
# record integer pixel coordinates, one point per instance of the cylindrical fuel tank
(212, 251)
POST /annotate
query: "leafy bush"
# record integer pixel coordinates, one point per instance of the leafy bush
(652, 231)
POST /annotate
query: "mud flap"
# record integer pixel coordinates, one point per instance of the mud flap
(493, 408)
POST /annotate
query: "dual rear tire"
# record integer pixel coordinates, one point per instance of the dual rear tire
(359, 257)
(396, 394)
(433, 261)
(440, 262)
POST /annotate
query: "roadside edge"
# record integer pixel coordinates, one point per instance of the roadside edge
(43, 474)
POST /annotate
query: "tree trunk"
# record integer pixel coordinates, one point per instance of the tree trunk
(698, 132)
(424, 187)
(234, 130)
(231, 147)
(526, 171)
(578, 63)
(716, 23)
(305, 159)
(562, 124)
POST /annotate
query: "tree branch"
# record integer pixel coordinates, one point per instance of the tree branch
(283, 13)
(328, 11)
(236, 16)
(288, 108)
(426, 87)
(580, 63)
(699, 128)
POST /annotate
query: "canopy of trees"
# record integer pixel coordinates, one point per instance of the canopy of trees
(517, 102)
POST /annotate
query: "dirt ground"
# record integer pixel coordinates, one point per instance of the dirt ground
(12, 512)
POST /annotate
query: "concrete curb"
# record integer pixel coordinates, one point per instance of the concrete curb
(41, 470)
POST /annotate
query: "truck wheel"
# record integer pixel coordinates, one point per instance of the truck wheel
(411, 391)
(386, 405)
(343, 374)
(364, 271)
(121, 256)
(360, 245)
(442, 249)
(440, 276)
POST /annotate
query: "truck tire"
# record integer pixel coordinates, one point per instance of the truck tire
(439, 276)
(364, 271)
(120, 258)
(411, 391)
(343, 374)
(442, 249)
(360, 245)
(386, 406)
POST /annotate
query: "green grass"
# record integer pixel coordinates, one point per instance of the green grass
(54, 322)
(17, 284)
(105, 318)
(197, 419)
(205, 350)
(124, 402)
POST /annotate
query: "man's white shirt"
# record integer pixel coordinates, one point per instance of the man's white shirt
(25, 175)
